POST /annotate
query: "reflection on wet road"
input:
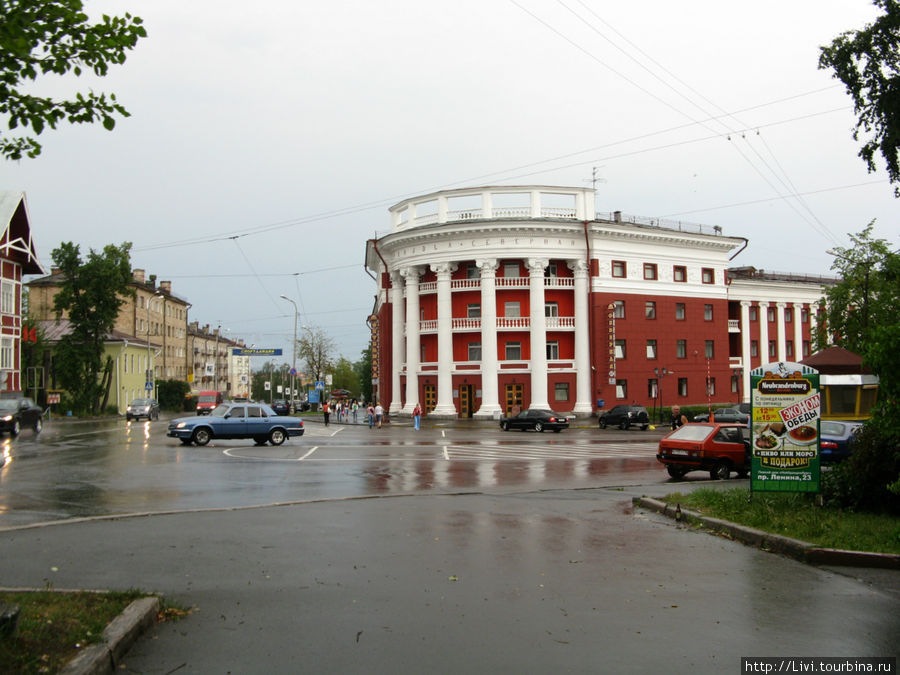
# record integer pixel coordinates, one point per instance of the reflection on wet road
(77, 469)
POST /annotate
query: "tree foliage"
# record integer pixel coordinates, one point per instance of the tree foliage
(861, 315)
(344, 377)
(867, 61)
(91, 292)
(54, 37)
(316, 349)
(363, 369)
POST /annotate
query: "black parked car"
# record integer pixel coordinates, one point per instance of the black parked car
(624, 416)
(536, 419)
(18, 412)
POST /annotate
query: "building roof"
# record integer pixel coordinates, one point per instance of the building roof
(16, 243)
(836, 361)
(53, 330)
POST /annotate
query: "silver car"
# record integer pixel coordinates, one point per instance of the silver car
(142, 407)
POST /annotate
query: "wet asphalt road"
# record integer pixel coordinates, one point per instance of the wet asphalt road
(526, 559)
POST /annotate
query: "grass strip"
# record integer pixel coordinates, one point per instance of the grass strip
(796, 515)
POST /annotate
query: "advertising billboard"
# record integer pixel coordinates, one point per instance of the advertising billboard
(784, 427)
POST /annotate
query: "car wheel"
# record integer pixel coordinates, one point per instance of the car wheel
(505, 426)
(38, 425)
(127, 418)
(676, 472)
(201, 436)
(277, 436)
(259, 440)
(16, 428)
(623, 425)
(538, 426)
(602, 423)
(720, 471)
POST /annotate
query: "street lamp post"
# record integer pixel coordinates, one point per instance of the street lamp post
(293, 348)
(216, 357)
(148, 387)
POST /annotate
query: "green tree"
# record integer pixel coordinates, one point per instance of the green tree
(867, 61)
(861, 316)
(316, 349)
(44, 37)
(344, 377)
(363, 369)
(173, 394)
(91, 293)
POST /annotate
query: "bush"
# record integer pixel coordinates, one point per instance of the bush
(171, 394)
(864, 480)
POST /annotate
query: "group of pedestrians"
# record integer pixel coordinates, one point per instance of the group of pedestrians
(347, 412)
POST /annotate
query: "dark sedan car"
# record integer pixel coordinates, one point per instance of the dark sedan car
(281, 406)
(142, 407)
(539, 420)
(17, 413)
(836, 440)
(236, 420)
(624, 416)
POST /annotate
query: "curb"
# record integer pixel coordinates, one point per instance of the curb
(118, 636)
(793, 548)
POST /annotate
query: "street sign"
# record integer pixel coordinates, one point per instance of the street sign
(148, 386)
(320, 386)
(251, 351)
(293, 372)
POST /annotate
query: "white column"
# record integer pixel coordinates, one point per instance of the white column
(764, 333)
(444, 404)
(781, 349)
(582, 343)
(538, 322)
(798, 332)
(746, 361)
(490, 395)
(396, 295)
(411, 274)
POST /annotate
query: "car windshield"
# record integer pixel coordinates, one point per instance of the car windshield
(691, 432)
(207, 399)
(832, 428)
(140, 401)
(220, 410)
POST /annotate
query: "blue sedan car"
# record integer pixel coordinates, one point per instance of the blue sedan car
(836, 440)
(236, 420)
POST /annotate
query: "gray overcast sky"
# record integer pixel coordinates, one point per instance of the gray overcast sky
(297, 124)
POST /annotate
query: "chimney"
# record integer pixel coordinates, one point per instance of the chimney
(138, 276)
(617, 216)
(166, 286)
(152, 281)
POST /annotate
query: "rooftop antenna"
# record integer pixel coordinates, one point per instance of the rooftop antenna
(594, 179)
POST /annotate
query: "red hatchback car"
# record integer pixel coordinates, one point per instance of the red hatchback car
(717, 448)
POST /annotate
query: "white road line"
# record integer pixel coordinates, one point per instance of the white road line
(311, 451)
(446, 454)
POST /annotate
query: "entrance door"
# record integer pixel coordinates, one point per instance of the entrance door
(515, 398)
(466, 400)
(430, 397)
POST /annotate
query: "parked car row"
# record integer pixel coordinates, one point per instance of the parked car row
(739, 413)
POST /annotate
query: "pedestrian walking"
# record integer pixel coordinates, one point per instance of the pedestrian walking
(370, 413)
(355, 411)
(325, 412)
(417, 416)
(379, 414)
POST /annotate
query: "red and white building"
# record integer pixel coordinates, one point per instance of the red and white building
(17, 257)
(495, 297)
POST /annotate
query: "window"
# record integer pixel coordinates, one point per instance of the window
(7, 297)
(650, 310)
(708, 275)
(770, 314)
(620, 349)
(511, 270)
(472, 271)
(619, 309)
(619, 269)
(473, 311)
(551, 309)
(621, 388)
(254, 411)
(788, 314)
(6, 353)
(511, 309)
(707, 312)
(710, 349)
(681, 349)
(679, 311)
(650, 271)
(550, 271)
(804, 315)
(513, 351)
(553, 350)
(422, 353)
(679, 273)
(711, 386)
(789, 349)
(652, 388)
(735, 384)
(753, 315)
(754, 348)
(561, 391)
(474, 351)
(682, 386)
(772, 349)
(806, 348)
(651, 349)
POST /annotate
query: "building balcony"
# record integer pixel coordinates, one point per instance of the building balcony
(474, 324)
(734, 325)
